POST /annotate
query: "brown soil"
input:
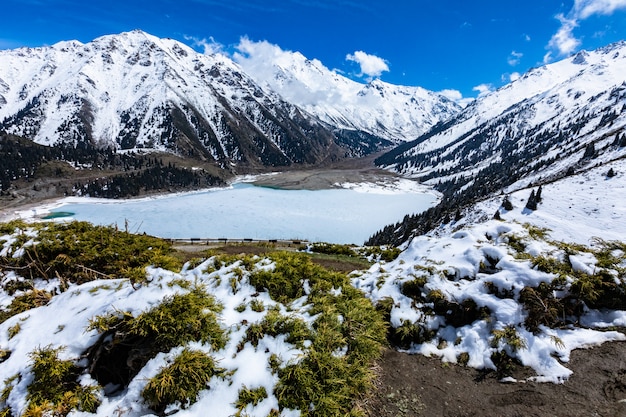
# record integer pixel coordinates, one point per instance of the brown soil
(415, 385)
(354, 170)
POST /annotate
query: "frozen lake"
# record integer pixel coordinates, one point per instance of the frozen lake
(245, 211)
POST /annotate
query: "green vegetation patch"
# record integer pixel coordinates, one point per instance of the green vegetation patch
(54, 389)
(285, 282)
(181, 381)
(24, 302)
(127, 343)
(274, 324)
(345, 338)
(79, 252)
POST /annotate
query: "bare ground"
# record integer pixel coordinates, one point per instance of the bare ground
(415, 385)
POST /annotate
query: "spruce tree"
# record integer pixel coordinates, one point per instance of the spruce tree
(538, 195)
(506, 204)
(532, 201)
(611, 173)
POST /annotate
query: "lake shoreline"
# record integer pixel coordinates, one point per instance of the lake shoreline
(335, 212)
(306, 179)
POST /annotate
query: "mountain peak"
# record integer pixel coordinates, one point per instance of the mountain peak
(134, 90)
(393, 112)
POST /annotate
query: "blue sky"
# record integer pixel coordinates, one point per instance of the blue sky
(460, 46)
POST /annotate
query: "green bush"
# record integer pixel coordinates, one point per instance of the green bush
(274, 324)
(81, 252)
(180, 319)
(346, 337)
(249, 396)
(333, 249)
(127, 343)
(181, 381)
(24, 302)
(285, 282)
(54, 389)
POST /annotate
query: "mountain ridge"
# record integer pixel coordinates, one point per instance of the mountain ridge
(555, 121)
(397, 112)
(135, 90)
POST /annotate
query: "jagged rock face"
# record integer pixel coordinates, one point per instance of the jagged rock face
(134, 90)
(562, 117)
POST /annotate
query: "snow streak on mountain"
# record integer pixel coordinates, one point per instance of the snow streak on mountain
(553, 121)
(395, 112)
(134, 90)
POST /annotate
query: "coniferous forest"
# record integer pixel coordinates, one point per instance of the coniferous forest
(115, 175)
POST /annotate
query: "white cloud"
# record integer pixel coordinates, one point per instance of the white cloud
(269, 64)
(564, 40)
(526, 37)
(483, 89)
(587, 8)
(209, 46)
(514, 76)
(456, 96)
(371, 65)
(514, 58)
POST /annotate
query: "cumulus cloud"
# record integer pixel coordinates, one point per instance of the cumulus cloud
(266, 62)
(514, 58)
(209, 46)
(564, 41)
(456, 96)
(483, 89)
(371, 65)
(510, 77)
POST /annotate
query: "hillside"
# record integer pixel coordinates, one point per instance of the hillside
(555, 121)
(507, 297)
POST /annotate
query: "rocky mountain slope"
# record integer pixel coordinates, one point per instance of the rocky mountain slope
(399, 113)
(567, 114)
(134, 90)
(555, 121)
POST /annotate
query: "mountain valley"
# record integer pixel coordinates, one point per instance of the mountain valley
(502, 293)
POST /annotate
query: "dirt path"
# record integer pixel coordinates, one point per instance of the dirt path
(414, 385)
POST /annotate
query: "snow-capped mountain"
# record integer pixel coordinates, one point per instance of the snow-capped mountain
(394, 112)
(553, 121)
(136, 90)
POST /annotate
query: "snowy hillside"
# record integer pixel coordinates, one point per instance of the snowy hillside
(134, 90)
(564, 116)
(491, 294)
(394, 112)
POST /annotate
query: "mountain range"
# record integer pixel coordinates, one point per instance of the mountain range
(555, 121)
(134, 90)
(521, 262)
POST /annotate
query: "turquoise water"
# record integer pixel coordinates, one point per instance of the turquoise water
(247, 211)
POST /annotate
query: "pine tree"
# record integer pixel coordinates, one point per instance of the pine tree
(538, 195)
(496, 215)
(611, 173)
(457, 215)
(532, 201)
(506, 204)
(590, 151)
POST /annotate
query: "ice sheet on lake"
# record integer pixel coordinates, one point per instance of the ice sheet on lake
(247, 211)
